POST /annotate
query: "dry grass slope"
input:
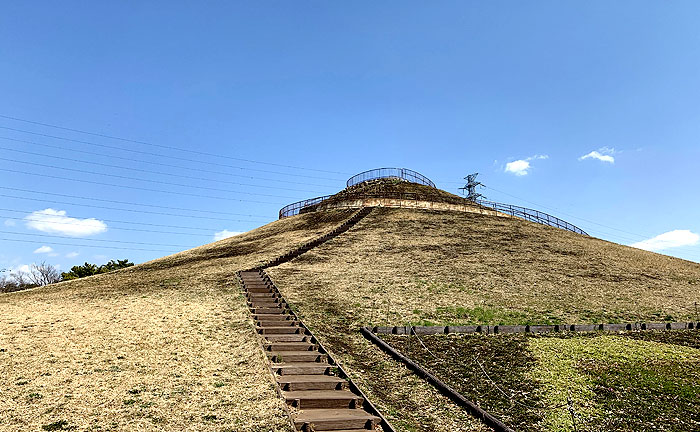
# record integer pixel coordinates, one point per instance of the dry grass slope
(167, 345)
(400, 266)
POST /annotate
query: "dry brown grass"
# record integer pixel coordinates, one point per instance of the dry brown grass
(399, 266)
(164, 346)
(168, 345)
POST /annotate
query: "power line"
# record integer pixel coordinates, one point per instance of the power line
(146, 171)
(126, 229)
(114, 208)
(142, 180)
(121, 149)
(127, 203)
(134, 187)
(208, 230)
(90, 246)
(95, 240)
(165, 146)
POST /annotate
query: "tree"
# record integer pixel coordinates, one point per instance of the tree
(89, 269)
(43, 274)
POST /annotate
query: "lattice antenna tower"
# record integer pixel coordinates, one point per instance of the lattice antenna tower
(470, 187)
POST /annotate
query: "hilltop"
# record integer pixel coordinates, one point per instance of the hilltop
(169, 344)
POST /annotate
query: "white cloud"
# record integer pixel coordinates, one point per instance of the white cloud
(521, 167)
(72, 254)
(225, 234)
(518, 167)
(603, 154)
(667, 240)
(44, 250)
(10, 222)
(56, 221)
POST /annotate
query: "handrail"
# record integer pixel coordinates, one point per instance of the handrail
(294, 209)
(532, 215)
(398, 173)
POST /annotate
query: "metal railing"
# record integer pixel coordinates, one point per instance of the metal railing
(532, 215)
(294, 209)
(397, 173)
(509, 209)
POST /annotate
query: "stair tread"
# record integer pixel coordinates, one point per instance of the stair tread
(299, 364)
(292, 379)
(320, 394)
(316, 414)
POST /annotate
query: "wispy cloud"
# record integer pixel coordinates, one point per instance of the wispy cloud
(10, 222)
(56, 221)
(522, 167)
(225, 234)
(44, 250)
(668, 240)
(603, 154)
(72, 254)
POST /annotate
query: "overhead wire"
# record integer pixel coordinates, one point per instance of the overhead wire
(114, 208)
(120, 167)
(94, 240)
(208, 230)
(189, 160)
(90, 246)
(126, 203)
(180, 193)
(143, 180)
(165, 146)
(150, 162)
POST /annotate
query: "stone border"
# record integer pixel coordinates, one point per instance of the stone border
(502, 329)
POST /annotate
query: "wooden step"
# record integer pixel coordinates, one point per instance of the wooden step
(272, 330)
(289, 321)
(334, 419)
(268, 310)
(289, 346)
(311, 382)
(256, 304)
(301, 368)
(308, 399)
(259, 290)
(288, 338)
(297, 356)
(253, 295)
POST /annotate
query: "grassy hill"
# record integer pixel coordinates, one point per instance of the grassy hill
(169, 345)
(400, 266)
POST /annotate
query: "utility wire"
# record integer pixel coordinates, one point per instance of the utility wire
(208, 230)
(143, 180)
(95, 240)
(134, 187)
(125, 229)
(84, 245)
(165, 146)
(127, 203)
(119, 209)
(181, 167)
(189, 160)
(151, 171)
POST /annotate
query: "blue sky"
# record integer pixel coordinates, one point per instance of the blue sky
(273, 102)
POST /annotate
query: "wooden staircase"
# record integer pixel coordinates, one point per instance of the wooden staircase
(308, 378)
